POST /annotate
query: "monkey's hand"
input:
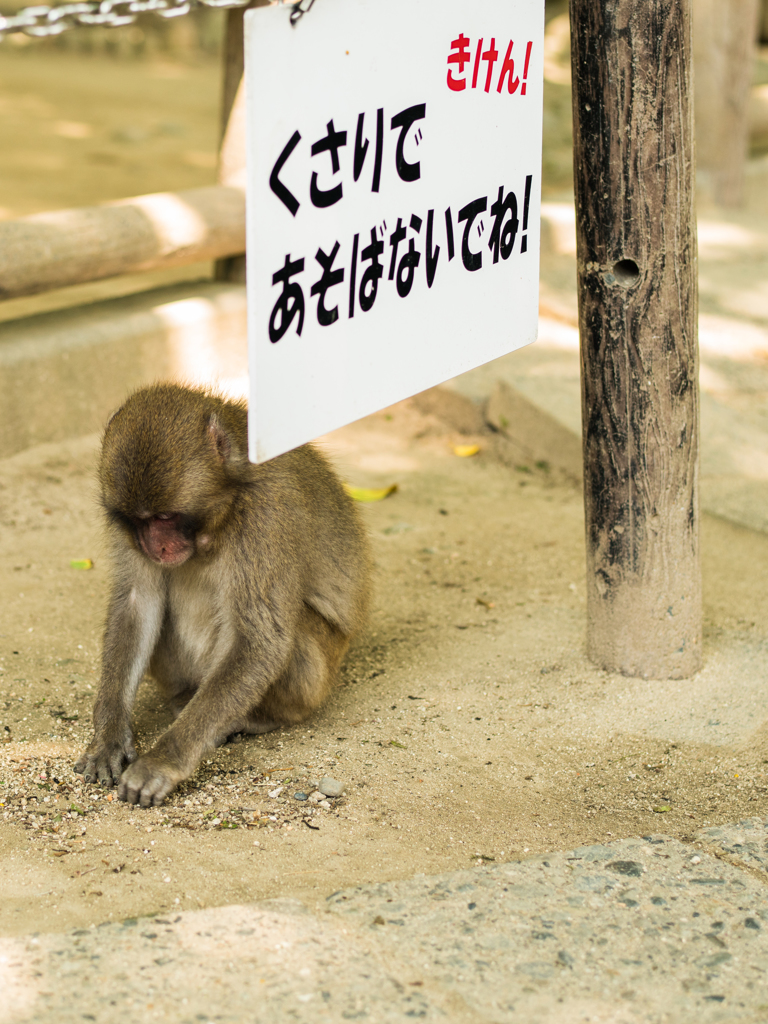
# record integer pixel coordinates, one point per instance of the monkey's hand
(105, 759)
(149, 781)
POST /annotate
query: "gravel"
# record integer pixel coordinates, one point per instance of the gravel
(747, 841)
(43, 795)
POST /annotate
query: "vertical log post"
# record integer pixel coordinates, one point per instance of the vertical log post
(633, 172)
(232, 141)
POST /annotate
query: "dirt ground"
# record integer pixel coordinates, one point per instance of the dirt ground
(468, 723)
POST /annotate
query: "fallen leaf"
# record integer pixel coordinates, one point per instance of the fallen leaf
(369, 493)
(464, 451)
(81, 563)
(662, 809)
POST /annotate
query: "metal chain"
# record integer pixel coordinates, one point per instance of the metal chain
(52, 21)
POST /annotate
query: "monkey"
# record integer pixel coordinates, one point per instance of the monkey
(237, 586)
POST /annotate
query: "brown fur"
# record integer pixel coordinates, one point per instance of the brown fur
(238, 586)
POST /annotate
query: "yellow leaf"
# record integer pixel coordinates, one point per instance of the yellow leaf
(81, 563)
(465, 450)
(369, 493)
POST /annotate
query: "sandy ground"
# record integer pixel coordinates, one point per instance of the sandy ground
(468, 722)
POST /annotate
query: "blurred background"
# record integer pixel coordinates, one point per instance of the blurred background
(101, 113)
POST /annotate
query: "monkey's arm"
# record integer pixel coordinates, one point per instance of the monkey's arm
(134, 619)
(224, 699)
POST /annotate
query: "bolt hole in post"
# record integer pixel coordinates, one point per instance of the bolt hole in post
(625, 273)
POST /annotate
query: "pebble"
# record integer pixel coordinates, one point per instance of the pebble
(330, 787)
(315, 798)
(300, 796)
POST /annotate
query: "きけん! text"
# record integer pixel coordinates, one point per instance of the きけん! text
(484, 66)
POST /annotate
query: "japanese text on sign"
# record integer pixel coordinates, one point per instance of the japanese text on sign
(393, 222)
(404, 245)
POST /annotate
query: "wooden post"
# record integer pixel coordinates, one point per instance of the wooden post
(636, 231)
(232, 144)
(724, 37)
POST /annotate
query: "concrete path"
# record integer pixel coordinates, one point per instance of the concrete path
(646, 929)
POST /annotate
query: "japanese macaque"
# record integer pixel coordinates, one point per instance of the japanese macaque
(237, 586)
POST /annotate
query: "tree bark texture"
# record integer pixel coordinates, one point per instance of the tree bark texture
(724, 38)
(636, 231)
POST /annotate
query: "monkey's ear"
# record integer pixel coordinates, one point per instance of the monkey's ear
(220, 438)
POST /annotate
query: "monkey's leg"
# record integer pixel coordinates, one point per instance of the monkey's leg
(309, 677)
(292, 686)
(253, 725)
(180, 700)
(220, 704)
(134, 620)
(311, 672)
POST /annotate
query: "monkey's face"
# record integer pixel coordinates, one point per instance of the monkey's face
(164, 473)
(168, 538)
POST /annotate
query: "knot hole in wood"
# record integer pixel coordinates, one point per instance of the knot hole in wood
(625, 273)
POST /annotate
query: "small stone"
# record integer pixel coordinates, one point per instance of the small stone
(324, 804)
(316, 797)
(330, 787)
(631, 868)
(312, 784)
(300, 796)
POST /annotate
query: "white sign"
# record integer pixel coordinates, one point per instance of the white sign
(394, 180)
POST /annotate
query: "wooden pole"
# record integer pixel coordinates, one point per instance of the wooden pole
(636, 232)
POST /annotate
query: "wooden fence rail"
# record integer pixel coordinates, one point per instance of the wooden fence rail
(151, 232)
